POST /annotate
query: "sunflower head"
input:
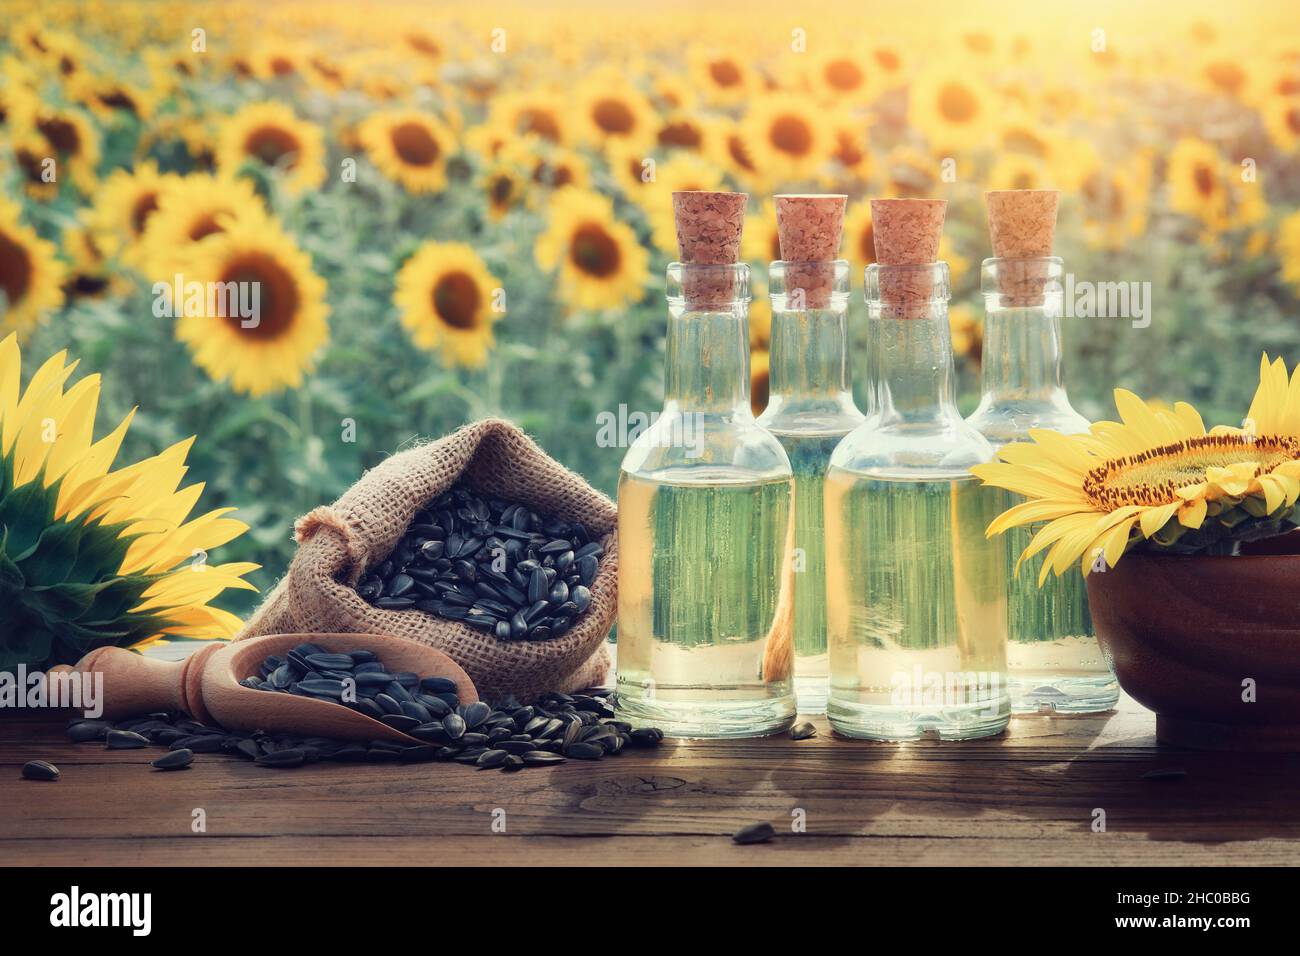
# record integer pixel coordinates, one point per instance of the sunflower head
(410, 147)
(91, 555)
(449, 302)
(251, 309)
(1157, 480)
(601, 264)
(31, 275)
(269, 136)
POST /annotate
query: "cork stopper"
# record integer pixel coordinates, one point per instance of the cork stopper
(1022, 225)
(709, 225)
(907, 233)
(809, 228)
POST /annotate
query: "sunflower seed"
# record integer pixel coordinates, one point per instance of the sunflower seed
(175, 760)
(803, 731)
(754, 833)
(40, 770)
(125, 740)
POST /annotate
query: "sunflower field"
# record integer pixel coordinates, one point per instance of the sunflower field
(455, 210)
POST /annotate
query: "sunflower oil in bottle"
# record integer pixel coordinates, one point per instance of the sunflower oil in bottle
(915, 591)
(810, 409)
(1055, 664)
(705, 571)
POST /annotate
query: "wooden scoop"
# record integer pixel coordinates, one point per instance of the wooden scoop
(206, 685)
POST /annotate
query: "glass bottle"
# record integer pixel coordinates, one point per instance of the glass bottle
(916, 594)
(1054, 661)
(810, 408)
(704, 517)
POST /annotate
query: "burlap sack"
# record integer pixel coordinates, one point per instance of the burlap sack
(337, 543)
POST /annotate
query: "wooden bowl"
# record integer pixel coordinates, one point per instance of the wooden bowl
(1190, 636)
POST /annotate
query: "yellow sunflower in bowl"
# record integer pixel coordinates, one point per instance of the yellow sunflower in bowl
(1157, 478)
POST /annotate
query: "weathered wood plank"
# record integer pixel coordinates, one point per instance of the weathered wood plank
(1028, 798)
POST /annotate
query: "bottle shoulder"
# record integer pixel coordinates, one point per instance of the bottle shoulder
(1007, 421)
(696, 444)
(943, 448)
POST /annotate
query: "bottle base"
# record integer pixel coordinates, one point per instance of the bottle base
(708, 720)
(892, 723)
(1048, 694)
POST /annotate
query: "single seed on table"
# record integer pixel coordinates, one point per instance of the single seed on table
(175, 760)
(585, 751)
(538, 757)
(754, 833)
(281, 758)
(87, 730)
(40, 770)
(492, 758)
(803, 731)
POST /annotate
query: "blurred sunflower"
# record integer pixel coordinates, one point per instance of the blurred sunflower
(189, 210)
(273, 349)
(786, 139)
(410, 147)
(536, 112)
(555, 167)
(1197, 175)
(1157, 475)
(1288, 245)
(759, 384)
(909, 174)
(269, 135)
(73, 142)
(953, 110)
(845, 76)
(97, 557)
(504, 189)
(1282, 119)
(683, 130)
(1115, 203)
(722, 78)
(612, 110)
(126, 203)
(601, 264)
(734, 153)
(683, 172)
(1018, 171)
(967, 331)
(90, 275)
(760, 318)
(110, 98)
(445, 295)
(31, 275)
(850, 144)
(760, 242)
(859, 239)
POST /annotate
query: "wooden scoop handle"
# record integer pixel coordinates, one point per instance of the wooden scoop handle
(134, 684)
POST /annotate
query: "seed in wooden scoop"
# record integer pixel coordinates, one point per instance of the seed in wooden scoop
(40, 770)
(754, 833)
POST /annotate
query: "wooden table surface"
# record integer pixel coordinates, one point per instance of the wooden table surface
(1030, 797)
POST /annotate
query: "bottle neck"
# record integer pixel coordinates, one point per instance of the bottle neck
(913, 362)
(706, 368)
(1021, 357)
(810, 352)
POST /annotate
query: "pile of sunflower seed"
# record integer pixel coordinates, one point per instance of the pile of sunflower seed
(508, 735)
(496, 565)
